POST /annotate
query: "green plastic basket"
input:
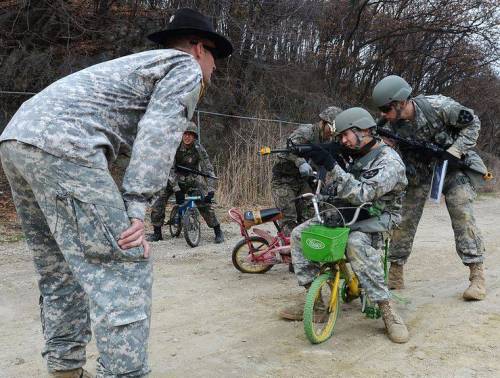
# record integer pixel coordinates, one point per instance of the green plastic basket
(324, 244)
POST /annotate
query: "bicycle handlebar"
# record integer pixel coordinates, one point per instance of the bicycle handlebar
(317, 199)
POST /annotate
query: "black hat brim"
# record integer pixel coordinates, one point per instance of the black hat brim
(223, 47)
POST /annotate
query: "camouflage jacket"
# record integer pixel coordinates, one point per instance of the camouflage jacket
(88, 116)
(377, 177)
(442, 121)
(288, 164)
(195, 157)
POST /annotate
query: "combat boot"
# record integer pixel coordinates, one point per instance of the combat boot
(219, 236)
(395, 280)
(156, 235)
(396, 328)
(75, 373)
(477, 289)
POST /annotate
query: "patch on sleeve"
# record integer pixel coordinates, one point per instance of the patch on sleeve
(465, 117)
(369, 174)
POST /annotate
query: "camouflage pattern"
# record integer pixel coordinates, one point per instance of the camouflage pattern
(329, 114)
(287, 183)
(459, 196)
(72, 217)
(141, 103)
(72, 211)
(454, 125)
(377, 177)
(195, 157)
(364, 251)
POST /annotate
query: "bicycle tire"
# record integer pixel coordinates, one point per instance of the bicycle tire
(240, 256)
(174, 227)
(317, 331)
(191, 227)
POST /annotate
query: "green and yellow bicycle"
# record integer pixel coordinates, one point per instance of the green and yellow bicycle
(336, 281)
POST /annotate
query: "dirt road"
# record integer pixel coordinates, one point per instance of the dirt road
(211, 320)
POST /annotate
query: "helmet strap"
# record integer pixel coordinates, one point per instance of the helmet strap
(359, 139)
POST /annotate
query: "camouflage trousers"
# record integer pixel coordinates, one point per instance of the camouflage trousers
(159, 205)
(364, 253)
(459, 195)
(72, 217)
(284, 190)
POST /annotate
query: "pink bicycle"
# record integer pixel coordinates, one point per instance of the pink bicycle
(259, 252)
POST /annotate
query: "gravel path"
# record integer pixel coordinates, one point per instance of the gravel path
(211, 320)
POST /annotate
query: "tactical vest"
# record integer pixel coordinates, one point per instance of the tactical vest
(437, 132)
(187, 157)
(390, 202)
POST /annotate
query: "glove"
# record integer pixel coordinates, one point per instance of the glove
(179, 197)
(454, 152)
(208, 198)
(305, 170)
(322, 157)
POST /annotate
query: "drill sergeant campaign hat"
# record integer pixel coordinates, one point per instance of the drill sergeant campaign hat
(187, 21)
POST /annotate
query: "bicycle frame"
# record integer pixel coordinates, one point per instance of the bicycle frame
(277, 252)
(189, 203)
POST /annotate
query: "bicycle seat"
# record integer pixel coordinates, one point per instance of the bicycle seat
(251, 218)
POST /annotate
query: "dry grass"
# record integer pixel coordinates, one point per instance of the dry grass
(245, 177)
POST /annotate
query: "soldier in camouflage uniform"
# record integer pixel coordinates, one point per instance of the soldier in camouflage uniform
(445, 122)
(86, 235)
(377, 175)
(190, 154)
(291, 173)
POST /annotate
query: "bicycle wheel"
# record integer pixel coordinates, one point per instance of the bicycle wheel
(244, 259)
(191, 226)
(174, 222)
(322, 307)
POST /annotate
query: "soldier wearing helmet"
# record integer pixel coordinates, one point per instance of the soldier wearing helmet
(291, 172)
(190, 154)
(376, 175)
(444, 122)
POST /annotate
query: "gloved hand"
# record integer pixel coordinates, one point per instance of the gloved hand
(322, 157)
(209, 197)
(179, 197)
(454, 152)
(305, 170)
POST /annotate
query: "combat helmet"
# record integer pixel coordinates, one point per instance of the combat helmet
(329, 114)
(192, 128)
(389, 89)
(354, 117)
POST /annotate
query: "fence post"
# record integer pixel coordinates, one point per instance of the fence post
(199, 128)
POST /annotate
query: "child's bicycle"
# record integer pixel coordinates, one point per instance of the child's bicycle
(336, 281)
(186, 217)
(258, 253)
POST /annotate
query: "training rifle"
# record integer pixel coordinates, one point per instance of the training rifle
(182, 168)
(304, 150)
(428, 149)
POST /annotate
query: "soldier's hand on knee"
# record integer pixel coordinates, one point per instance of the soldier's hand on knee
(134, 237)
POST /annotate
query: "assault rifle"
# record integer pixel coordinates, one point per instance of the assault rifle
(305, 150)
(428, 149)
(182, 168)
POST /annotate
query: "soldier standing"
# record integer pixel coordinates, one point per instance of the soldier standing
(291, 172)
(377, 175)
(442, 121)
(87, 237)
(190, 154)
